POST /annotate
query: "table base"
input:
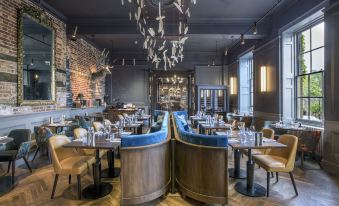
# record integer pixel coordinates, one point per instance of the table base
(257, 191)
(106, 173)
(241, 175)
(6, 185)
(90, 191)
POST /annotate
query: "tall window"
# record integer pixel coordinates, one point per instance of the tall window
(310, 73)
(246, 83)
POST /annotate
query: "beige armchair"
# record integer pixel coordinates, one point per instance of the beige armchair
(279, 159)
(67, 161)
(98, 126)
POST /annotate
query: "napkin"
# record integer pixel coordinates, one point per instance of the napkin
(3, 137)
(269, 140)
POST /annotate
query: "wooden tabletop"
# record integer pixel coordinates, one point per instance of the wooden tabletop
(215, 126)
(285, 127)
(236, 144)
(100, 143)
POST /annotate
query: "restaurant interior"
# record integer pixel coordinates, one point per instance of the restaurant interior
(169, 102)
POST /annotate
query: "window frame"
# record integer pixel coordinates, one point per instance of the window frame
(297, 75)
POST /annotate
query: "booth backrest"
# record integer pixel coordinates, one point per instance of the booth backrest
(188, 135)
(150, 138)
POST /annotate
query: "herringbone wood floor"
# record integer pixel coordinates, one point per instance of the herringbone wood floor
(315, 188)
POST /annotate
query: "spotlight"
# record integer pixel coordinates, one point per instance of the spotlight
(74, 35)
(255, 29)
(242, 39)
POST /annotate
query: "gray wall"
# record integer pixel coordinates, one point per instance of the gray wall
(331, 130)
(129, 85)
(212, 75)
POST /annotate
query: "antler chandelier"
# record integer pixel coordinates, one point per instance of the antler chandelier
(161, 48)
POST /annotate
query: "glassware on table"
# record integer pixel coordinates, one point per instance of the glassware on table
(112, 137)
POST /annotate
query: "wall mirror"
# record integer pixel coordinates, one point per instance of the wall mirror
(36, 72)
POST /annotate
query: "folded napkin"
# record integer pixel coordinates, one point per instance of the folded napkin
(268, 140)
(233, 140)
(77, 140)
(3, 137)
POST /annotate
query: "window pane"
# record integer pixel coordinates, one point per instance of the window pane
(318, 36)
(318, 60)
(316, 85)
(303, 112)
(303, 86)
(305, 63)
(304, 41)
(316, 109)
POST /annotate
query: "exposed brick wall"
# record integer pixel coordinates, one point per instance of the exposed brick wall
(82, 63)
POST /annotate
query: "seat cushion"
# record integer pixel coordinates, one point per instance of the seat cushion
(8, 155)
(271, 163)
(75, 165)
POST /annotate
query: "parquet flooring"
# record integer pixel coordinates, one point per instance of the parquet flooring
(315, 187)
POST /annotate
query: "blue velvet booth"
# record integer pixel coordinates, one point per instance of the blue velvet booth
(145, 163)
(200, 163)
(150, 138)
(188, 135)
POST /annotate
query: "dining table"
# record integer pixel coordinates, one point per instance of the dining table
(58, 127)
(145, 118)
(236, 172)
(249, 187)
(207, 128)
(98, 189)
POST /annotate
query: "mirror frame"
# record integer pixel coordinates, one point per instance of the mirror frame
(41, 18)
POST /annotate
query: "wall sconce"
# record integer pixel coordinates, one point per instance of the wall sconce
(233, 85)
(263, 79)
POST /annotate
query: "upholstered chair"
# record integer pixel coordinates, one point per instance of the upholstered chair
(308, 143)
(247, 120)
(17, 149)
(120, 117)
(83, 123)
(98, 126)
(67, 161)
(125, 115)
(41, 137)
(280, 159)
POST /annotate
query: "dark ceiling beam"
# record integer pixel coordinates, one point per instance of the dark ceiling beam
(109, 26)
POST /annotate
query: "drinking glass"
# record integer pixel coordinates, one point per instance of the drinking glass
(111, 137)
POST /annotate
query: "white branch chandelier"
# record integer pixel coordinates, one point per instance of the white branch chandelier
(167, 50)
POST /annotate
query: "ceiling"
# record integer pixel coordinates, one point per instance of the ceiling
(213, 25)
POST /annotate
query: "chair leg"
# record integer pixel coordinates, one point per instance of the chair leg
(36, 152)
(277, 176)
(295, 187)
(272, 175)
(69, 179)
(29, 167)
(13, 171)
(302, 159)
(79, 187)
(9, 166)
(268, 184)
(54, 185)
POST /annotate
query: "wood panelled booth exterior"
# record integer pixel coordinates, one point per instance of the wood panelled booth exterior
(145, 171)
(201, 172)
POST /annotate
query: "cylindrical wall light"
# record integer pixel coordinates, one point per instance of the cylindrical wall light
(233, 85)
(263, 79)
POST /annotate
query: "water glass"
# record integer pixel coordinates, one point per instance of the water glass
(111, 137)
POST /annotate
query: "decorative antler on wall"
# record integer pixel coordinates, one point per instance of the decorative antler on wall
(102, 68)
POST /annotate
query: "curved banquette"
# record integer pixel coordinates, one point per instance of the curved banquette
(201, 171)
(145, 163)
